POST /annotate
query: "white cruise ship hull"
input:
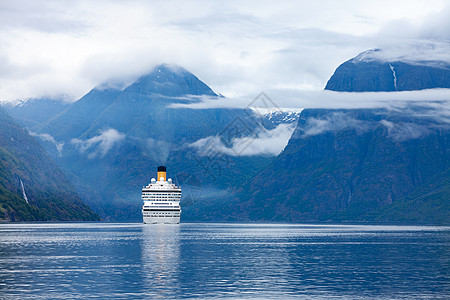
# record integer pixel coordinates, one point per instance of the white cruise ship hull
(161, 200)
(161, 220)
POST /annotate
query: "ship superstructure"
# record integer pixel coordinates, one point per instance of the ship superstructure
(161, 200)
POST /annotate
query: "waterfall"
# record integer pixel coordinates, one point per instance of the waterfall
(23, 191)
(393, 74)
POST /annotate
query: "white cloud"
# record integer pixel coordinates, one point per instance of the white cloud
(100, 144)
(48, 138)
(415, 52)
(266, 142)
(403, 131)
(398, 130)
(336, 121)
(51, 47)
(157, 149)
(432, 26)
(296, 99)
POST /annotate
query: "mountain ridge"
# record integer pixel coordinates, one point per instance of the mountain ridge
(108, 152)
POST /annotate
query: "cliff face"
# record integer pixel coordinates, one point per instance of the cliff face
(32, 188)
(354, 165)
(368, 72)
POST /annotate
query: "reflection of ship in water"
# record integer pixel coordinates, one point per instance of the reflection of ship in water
(161, 260)
(161, 200)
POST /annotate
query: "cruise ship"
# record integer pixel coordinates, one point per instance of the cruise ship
(161, 200)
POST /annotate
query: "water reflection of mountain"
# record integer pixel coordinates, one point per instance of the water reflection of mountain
(160, 259)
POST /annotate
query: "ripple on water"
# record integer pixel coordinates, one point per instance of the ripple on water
(101, 260)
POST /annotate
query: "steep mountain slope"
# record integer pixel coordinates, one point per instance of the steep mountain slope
(78, 117)
(109, 142)
(125, 109)
(32, 188)
(32, 112)
(354, 165)
(427, 203)
(372, 71)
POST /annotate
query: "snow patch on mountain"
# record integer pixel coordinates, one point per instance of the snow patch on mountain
(278, 115)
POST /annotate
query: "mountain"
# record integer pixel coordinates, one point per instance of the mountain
(109, 142)
(32, 188)
(375, 71)
(360, 165)
(353, 165)
(125, 109)
(169, 81)
(31, 112)
(371, 165)
(77, 118)
(277, 116)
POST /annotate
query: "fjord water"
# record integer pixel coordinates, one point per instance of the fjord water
(137, 261)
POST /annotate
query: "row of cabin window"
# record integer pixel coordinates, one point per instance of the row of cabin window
(161, 215)
(166, 197)
(162, 193)
(161, 196)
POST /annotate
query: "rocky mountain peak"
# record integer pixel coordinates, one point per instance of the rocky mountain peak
(171, 81)
(379, 70)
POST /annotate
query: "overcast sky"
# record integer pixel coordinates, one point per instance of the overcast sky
(239, 48)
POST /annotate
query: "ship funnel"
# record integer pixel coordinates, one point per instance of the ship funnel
(161, 173)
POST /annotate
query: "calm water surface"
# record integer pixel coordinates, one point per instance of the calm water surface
(137, 261)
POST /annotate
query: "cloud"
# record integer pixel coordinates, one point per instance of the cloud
(157, 149)
(53, 47)
(421, 121)
(266, 142)
(296, 99)
(334, 122)
(48, 138)
(403, 131)
(414, 52)
(100, 144)
(433, 26)
(46, 16)
(436, 111)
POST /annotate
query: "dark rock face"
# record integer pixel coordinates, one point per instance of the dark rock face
(32, 188)
(365, 73)
(354, 165)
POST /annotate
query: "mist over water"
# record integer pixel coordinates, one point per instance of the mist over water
(60, 261)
